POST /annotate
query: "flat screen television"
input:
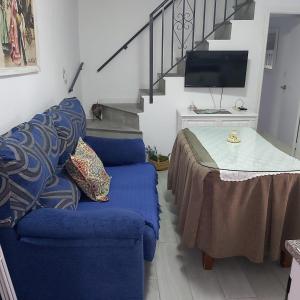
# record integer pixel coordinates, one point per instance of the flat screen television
(216, 69)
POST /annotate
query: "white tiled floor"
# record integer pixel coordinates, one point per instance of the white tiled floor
(177, 274)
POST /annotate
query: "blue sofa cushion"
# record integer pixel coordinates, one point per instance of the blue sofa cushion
(60, 192)
(28, 157)
(81, 224)
(118, 152)
(133, 187)
(70, 122)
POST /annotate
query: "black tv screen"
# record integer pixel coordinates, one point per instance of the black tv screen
(216, 69)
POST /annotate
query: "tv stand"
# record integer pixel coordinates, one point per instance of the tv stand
(235, 119)
(212, 112)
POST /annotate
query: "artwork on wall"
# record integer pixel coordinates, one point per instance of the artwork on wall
(18, 43)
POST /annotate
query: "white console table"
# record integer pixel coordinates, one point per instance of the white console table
(187, 119)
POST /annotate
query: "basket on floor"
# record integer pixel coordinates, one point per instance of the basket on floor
(160, 165)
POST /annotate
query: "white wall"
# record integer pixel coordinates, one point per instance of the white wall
(23, 96)
(280, 108)
(104, 25)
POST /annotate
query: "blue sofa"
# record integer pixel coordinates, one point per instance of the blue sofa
(87, 250)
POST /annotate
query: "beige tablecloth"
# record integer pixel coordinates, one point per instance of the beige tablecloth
(251, 218)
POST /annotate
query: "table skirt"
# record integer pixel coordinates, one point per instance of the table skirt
(252, 218)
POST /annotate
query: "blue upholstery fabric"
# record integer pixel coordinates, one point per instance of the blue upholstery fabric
(60, 192)
(46, 138)
(63, 269)
(5, 194)
(29, 155)
(70, 122)
(149, 243)
(133, 188)
(95, 252)
(113, 223)
(118, 152)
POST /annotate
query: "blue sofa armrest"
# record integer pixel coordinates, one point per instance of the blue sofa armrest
(117, 152)
(81, 225)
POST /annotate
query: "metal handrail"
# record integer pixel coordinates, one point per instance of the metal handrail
(125, 46)
(160, 6)
(80, 68)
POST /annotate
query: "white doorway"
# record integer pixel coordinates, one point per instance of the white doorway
(280, 102)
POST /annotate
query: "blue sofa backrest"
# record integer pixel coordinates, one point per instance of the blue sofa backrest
(70, 121)
(29, 156)
(32, 153)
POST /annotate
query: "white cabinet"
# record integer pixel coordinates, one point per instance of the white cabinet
(186, 119)
(185, 123)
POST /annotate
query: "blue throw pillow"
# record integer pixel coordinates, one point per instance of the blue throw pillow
(70, 122)
(60, 192)
(28, 156)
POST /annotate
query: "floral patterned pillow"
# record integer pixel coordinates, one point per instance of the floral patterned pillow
(87, 170)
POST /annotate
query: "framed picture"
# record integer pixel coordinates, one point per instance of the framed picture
(18, 38)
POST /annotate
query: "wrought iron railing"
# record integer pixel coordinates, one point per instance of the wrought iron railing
(184, 22)
(191, 21)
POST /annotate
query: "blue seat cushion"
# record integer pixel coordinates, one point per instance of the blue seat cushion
(60, 192)
(28, 155)
(133, 187)
(70, 122)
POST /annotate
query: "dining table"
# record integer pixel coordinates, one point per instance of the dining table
(234, 198)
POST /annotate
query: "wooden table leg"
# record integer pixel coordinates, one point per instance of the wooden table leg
(285, 260)
(207, 261)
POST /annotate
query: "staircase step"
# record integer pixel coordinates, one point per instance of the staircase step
(123, 114)
(181, 66)
(162, 83)
(247, 12)
(169, 75)
(106, 128)
(223, 32)
(132, 108)
(202, 45)
(156, 92)
(242, 2)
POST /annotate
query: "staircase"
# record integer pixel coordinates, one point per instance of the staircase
(175, 27)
